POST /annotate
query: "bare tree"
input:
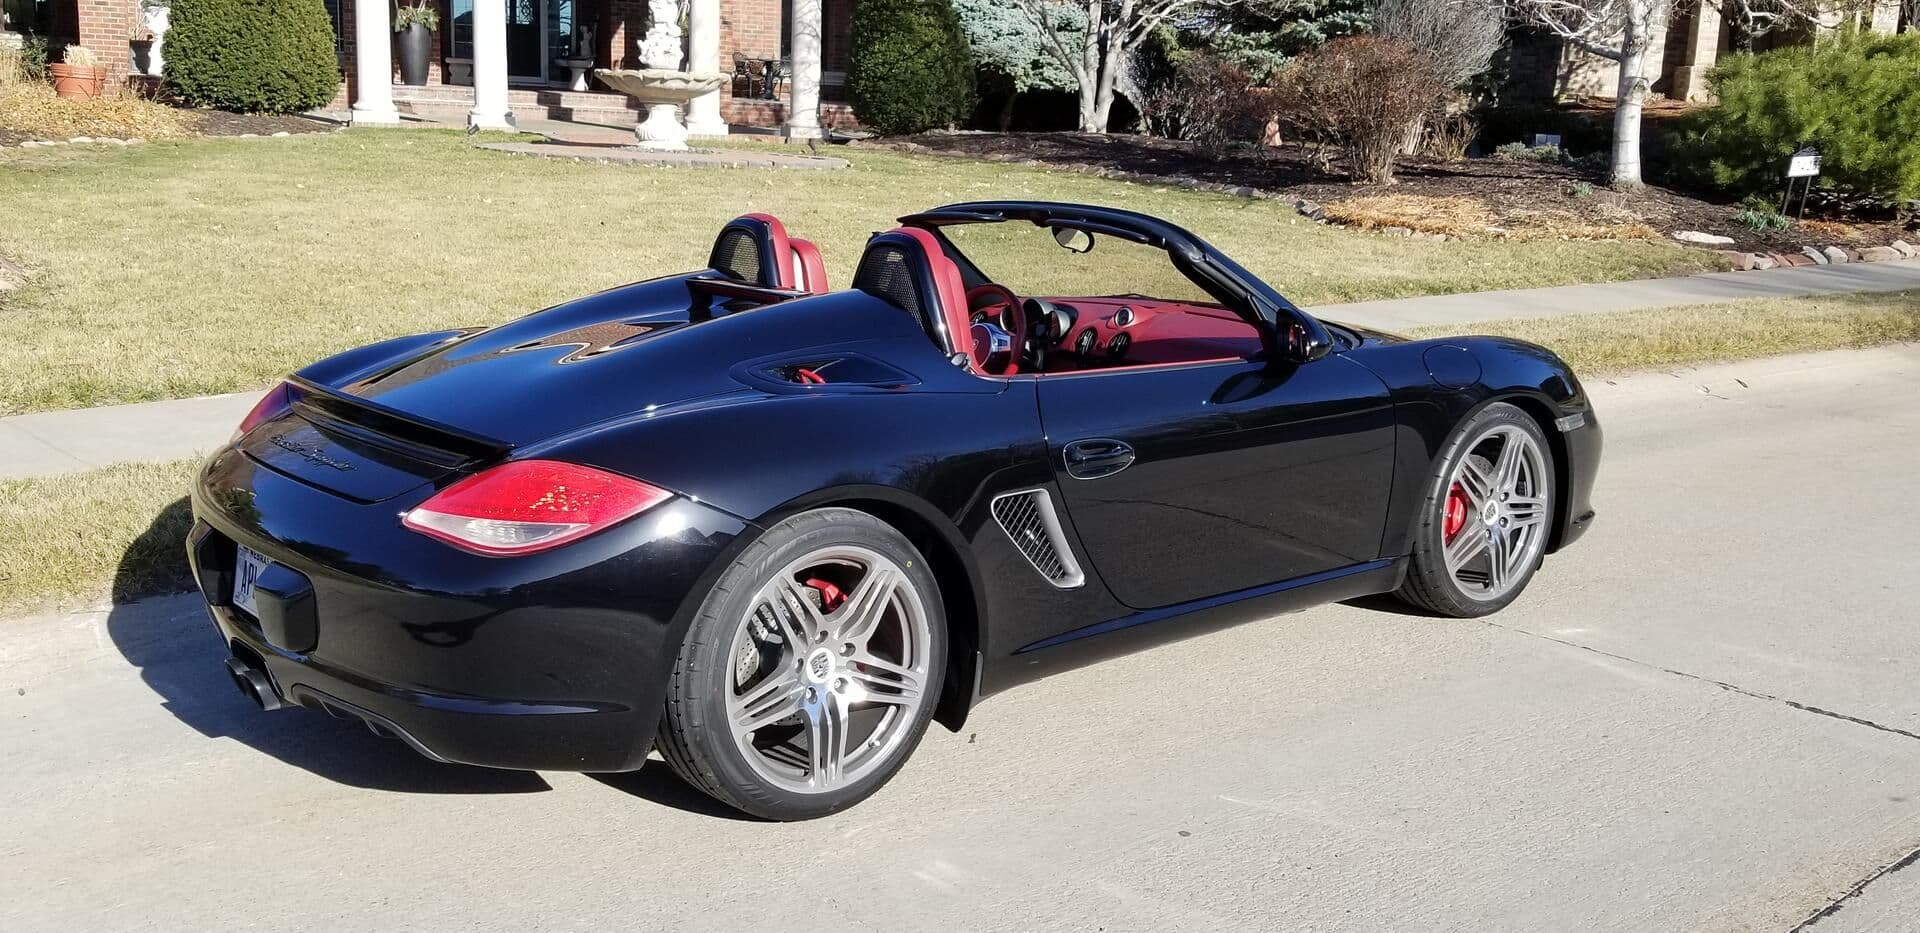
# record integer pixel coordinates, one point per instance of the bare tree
(1460, 36)
(1093, 38)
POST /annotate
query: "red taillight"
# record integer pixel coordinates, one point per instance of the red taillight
(530, 505)
(272, 405)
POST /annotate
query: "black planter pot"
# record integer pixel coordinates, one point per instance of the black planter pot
(142, 55)
(415, 45)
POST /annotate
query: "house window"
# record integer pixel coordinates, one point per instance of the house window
(340, 37)
(459, 39)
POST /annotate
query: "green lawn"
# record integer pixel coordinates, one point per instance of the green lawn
(186, 268)
(117, 531)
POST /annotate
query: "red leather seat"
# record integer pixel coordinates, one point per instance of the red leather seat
(890, 269)
(756, 249)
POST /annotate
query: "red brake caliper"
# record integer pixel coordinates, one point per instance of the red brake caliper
(1456, 517)
(831, 596)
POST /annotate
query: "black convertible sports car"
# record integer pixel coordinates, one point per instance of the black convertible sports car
(773, 530)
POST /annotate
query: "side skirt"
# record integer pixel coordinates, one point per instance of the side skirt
(1150, 628)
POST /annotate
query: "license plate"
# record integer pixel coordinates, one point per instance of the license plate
(246, 573)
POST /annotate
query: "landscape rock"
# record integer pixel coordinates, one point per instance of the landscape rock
(1819, 258)
(281, 134)
(1792, 259)
(81, 139)
(1763, 262)
(1703, 239)
(1835, 254)
(1396, 231)
(1905, 249)
(1310, 210)
(1742, 262)
(1881, 254)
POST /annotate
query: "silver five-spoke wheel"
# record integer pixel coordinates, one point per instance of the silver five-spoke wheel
(1488, 518)
(1495, 522)
(830, 667)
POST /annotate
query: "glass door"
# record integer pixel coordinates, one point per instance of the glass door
(526, 41)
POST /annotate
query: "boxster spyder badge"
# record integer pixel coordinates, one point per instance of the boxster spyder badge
(785, 526)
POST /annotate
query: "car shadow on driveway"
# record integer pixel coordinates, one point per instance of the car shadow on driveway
(173, 644)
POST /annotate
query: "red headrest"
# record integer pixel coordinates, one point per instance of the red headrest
(952, 291)
(772, 251)
(809, 270)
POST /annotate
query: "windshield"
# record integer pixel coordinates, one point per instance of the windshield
(1025, 258)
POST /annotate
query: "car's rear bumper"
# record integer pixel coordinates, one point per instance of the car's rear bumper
(556, 661)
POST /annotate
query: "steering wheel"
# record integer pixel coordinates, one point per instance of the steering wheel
(991, 301)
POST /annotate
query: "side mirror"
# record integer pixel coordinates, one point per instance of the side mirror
(1079, 241)
(1300, 346)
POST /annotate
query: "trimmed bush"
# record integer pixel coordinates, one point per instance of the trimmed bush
(911, 69)
(252, 56)
(1857, 98)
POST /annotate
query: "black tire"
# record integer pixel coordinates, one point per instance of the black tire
(695, 738)
(1428, 584)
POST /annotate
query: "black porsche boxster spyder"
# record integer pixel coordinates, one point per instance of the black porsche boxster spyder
(773, 529)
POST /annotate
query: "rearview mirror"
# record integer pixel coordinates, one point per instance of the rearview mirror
(1079, 241)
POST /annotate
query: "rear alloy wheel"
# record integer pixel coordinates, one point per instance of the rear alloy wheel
(1485, 523)
(812, 670)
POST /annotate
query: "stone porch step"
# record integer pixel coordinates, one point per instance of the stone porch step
(450, 102)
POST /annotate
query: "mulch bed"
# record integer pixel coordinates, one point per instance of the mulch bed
(222, 123)
(1287, 172)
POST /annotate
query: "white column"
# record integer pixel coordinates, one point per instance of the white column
(373, 65)
(803, 105)
(703, 57)
(489, 67)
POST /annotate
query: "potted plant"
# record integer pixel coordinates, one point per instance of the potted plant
(78, 75)
(140, 39)
(413, 25)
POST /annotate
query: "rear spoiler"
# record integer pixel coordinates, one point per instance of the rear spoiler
(371, 423)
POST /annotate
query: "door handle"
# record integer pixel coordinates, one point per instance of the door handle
(1097, 457)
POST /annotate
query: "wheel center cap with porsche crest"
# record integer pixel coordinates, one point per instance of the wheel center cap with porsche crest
(819, 665)
(1490, 512)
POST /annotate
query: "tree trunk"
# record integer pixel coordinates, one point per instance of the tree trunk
(1109, 75)
(1006, 111)
(1089, 113)
(1088, 74)
(1630, 99)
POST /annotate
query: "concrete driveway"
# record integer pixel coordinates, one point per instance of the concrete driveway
(1704, 717)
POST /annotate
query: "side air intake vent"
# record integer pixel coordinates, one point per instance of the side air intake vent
(1029, 519)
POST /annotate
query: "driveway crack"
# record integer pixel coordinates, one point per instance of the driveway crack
(1733, 688)
(1834, 906)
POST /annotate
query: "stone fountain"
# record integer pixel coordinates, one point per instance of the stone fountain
(661, 86)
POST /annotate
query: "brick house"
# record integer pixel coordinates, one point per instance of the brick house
(542, 38)
(1543, 67)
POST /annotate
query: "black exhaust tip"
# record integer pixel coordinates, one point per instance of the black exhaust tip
(254, 684)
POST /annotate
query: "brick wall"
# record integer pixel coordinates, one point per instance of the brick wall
(623, 25)
(103, 26)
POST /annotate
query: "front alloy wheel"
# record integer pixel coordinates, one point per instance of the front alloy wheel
(1483, 528)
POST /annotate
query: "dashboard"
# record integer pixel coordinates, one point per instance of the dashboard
(1069, 334)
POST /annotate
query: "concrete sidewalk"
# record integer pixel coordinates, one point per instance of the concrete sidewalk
(53, 442)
